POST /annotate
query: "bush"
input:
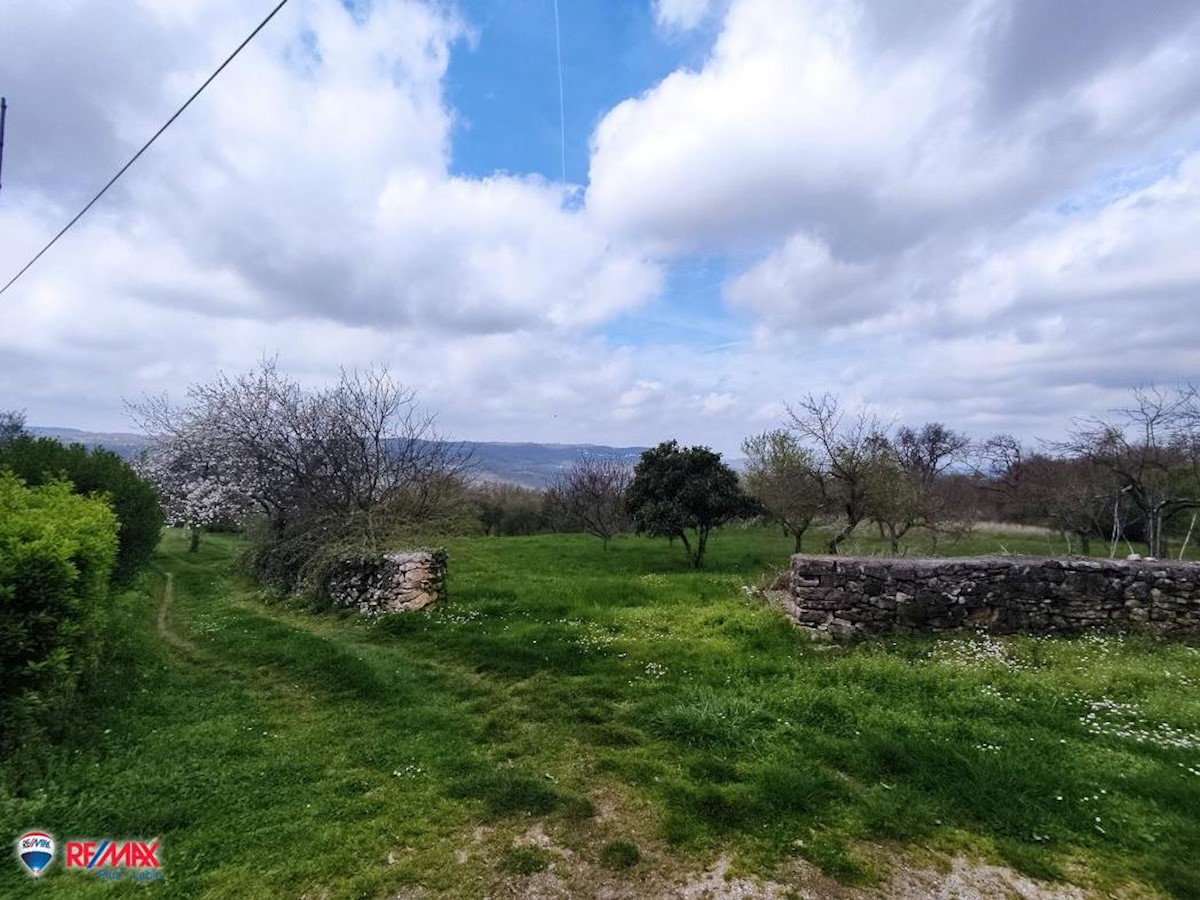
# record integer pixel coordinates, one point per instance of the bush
(508, 510)
(99, 471)
(57, 554)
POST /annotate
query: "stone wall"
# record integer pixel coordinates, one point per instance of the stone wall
(398, 582)
(847, 597)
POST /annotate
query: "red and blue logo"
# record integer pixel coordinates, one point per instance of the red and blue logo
(114, 860)
(35, 850)
(110, 854)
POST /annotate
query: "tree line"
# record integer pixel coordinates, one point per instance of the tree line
(1130, 477)
(358, 466)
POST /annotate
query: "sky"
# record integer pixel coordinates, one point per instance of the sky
(979, 212)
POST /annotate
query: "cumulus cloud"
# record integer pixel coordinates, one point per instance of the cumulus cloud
(873, 125)
(303, 205)
(982, 208)
(981, 211)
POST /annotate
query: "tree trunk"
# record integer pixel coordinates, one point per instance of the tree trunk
(701, 545)
(799, 536)
(193, 538)
(1154, 526)
(837, 539)
(687, 546)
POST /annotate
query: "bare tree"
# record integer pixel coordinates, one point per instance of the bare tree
(352, 461)
(1152, 448)
(783, 476)
(905, 485)
(590, 497)
(847, 452)
(999, 465)
(1072, 495)
(897, 500)
(929, 451)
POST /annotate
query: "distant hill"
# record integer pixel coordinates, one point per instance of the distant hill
(119, 442)
(525, 464)
(537, 465)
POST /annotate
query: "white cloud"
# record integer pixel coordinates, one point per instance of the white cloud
(926, 204)
(682, 15)
(872, 126)
(302, 206)
(714, 404)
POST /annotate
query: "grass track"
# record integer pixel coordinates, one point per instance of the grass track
(289, 754)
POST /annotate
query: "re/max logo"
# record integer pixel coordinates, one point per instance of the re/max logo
(112, 854)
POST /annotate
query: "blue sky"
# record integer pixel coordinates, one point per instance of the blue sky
(504, 88)
(982, 212)
(503, 85)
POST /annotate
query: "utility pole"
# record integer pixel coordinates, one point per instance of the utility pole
(3, 113)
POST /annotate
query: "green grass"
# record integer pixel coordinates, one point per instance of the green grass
(620, 855)
(526, 860)
(612, 698)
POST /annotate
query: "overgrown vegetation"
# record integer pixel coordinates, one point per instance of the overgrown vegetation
(353, 467)
(588, 698)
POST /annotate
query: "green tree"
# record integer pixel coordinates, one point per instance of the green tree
(100, 472)
(783, 476)
(677, 489)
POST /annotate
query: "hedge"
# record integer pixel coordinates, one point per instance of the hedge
(57, 554)
(134, 499)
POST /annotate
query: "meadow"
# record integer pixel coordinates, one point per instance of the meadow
(604, 717)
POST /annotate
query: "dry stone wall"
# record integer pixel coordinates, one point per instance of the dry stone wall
(397, 582)
(846, 597)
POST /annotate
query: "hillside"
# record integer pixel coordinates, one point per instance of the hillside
(525, 464)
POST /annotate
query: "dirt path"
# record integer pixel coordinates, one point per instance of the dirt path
(164, 629)
(946, 878)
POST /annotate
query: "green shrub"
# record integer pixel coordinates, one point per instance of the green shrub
(98, 471)
(57, 553)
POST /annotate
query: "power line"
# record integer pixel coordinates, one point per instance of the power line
(3, 115)
(146, 146)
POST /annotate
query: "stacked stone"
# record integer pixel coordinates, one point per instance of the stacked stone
(397, 582)
(846, 597)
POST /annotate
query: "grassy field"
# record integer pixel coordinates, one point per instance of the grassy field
(611, 713)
